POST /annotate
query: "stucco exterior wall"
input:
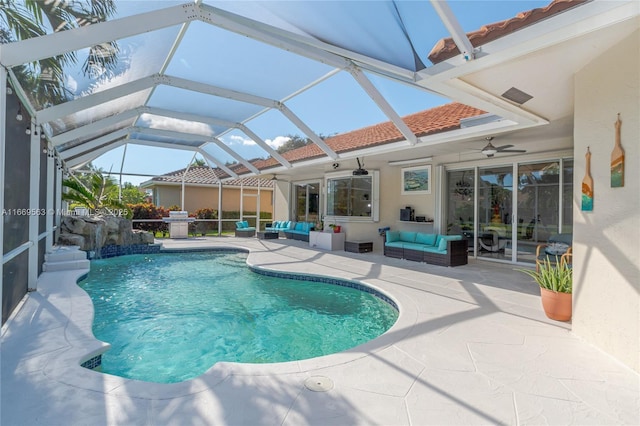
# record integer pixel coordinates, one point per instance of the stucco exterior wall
(391, 200)
(282, 195)
(606, 256)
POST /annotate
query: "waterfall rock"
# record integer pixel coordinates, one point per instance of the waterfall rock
(92, 233)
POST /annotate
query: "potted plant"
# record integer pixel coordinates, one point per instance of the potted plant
(336, 228)
(556, 285)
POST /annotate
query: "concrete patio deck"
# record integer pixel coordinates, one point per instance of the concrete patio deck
(471, 346)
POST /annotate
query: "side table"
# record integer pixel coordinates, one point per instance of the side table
(358, 246)
(326, 240)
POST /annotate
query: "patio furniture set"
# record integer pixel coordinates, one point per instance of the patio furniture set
(436, 249)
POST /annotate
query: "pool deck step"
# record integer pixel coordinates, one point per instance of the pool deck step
(66, 265)
(65, 253)
(65, 258)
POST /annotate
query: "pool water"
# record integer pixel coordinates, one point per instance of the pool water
(170, 317)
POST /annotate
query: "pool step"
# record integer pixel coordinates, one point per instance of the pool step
(65, 266)
(65, 258)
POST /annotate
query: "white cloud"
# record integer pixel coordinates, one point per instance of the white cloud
(237, 139)
(278, 141)
(176, 125)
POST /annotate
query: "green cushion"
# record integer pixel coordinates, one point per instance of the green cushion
(428, 239)
(409, 237)
(393, 236)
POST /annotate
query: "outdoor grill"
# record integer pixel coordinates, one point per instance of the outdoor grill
(178, 224)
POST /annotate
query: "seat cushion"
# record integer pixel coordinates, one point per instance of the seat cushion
(432, 249)
(556, 249)
(561, 238)
(413, 246)
(395, 244)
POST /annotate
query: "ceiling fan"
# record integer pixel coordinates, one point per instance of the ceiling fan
(489, 150)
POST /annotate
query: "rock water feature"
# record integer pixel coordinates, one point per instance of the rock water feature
(104, 236)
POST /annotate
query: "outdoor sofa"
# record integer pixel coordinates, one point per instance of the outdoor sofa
(436, 249)
(244, 230)
(279, 226)
(299, 230)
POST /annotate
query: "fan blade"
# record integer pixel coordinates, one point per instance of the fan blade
(500, 148)
(512, 150)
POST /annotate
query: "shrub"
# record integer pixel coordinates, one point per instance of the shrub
(149, 211)
(555, 277)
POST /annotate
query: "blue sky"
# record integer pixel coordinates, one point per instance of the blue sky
(336, 105)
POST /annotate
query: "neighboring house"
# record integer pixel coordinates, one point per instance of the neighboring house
(201, 186)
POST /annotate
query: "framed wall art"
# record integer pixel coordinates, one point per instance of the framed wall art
(416, 180)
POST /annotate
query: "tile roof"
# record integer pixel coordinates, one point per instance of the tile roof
(435, 120)
(446, 48)
(207, 175)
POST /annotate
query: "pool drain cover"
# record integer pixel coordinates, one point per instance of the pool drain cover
(318, 384)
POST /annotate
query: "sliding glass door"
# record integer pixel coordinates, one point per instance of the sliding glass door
(506, 219)
(460, 211)
(495, 210)
(307, 202)
(545, 204)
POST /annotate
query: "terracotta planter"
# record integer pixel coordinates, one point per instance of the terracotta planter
(557, 306)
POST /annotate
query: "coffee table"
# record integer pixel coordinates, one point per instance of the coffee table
(267, 235)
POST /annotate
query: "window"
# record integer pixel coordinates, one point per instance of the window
(353, 196)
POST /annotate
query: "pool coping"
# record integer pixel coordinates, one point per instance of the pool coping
(66, 366)
(480, 351)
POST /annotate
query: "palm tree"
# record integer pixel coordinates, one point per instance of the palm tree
(45, 78)
(101, 193)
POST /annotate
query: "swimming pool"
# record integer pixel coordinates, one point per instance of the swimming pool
(170, 317)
